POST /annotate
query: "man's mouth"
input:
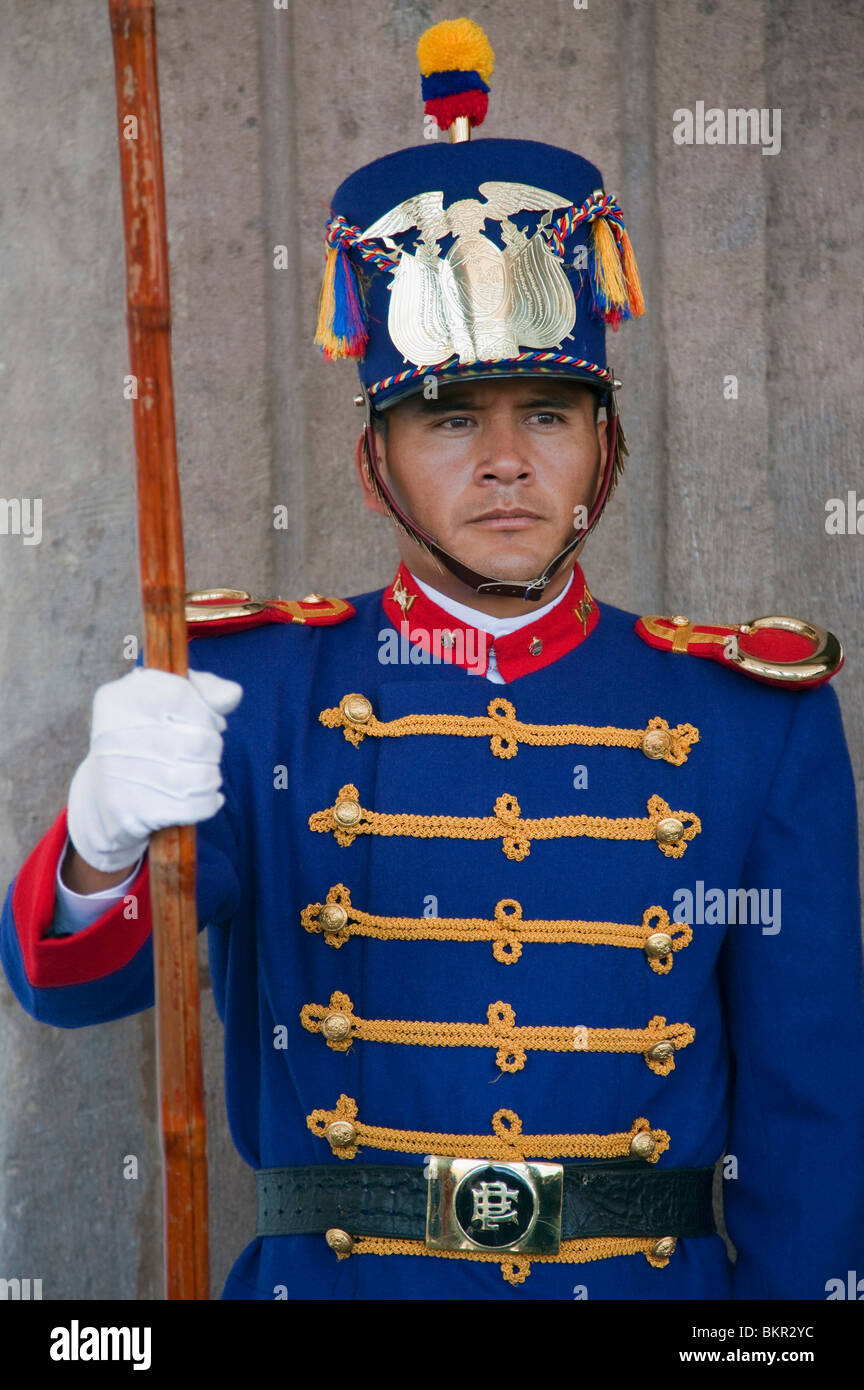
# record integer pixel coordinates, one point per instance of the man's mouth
(505, 519)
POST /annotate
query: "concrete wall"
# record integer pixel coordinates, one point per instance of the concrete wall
(751, 265)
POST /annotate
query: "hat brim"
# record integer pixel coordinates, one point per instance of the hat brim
(418, 385)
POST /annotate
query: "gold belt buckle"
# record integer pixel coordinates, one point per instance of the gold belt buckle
(476, 1204)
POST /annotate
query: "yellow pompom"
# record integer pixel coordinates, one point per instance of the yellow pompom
(456, 44)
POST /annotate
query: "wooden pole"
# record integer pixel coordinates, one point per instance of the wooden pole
(160, 540)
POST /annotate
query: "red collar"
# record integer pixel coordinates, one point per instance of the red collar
(555, 632)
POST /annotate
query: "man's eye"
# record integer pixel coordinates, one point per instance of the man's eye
(456, 420)
(546, 415)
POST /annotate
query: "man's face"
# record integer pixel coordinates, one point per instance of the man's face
(494, 470)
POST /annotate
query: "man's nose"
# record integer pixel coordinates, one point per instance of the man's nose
(502, 453)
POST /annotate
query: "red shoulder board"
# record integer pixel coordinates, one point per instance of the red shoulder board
(779, 651)
(212, 612)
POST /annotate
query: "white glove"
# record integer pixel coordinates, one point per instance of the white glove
(155, 749)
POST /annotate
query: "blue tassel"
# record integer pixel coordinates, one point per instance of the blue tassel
(341, 330)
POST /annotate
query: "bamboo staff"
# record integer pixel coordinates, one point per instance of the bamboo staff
(160, 540)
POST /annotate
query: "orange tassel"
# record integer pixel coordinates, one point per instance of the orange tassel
(631, 276)
(610, 288)
(341, 330)
(324, 336)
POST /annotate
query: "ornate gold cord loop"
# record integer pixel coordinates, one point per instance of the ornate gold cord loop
(337, 919)
(339, 1025)
(516, 1268)
(347, 819)
(346, 1135)
(355, 716)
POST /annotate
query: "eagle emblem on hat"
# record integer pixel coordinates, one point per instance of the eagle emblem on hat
(477, 300)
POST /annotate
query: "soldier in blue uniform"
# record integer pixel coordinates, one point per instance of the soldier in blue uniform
(508, 976)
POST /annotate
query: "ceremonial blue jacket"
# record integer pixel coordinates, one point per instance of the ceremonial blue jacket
(559, 806)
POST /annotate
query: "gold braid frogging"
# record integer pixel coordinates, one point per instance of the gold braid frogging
(347, 819)
(516, 1268)
(340, 1026)
(507, 1142)
(507, 732)
(507, 930)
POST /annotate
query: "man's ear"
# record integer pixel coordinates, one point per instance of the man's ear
(371, 501)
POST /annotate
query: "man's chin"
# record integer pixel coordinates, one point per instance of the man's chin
(509, 556)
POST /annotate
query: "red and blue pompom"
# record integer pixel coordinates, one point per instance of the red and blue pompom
(456, 61)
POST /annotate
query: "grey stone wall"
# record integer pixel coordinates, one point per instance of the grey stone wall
(751, 265)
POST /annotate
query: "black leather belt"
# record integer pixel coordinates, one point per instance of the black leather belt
(612, 1198)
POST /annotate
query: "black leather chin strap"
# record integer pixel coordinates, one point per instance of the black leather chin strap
(530, 590)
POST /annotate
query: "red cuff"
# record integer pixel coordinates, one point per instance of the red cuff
(104, 947)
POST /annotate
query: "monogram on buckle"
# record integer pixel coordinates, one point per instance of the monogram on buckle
(509, 1207)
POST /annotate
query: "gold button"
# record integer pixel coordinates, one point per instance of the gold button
(656, 743)
(643, 1144)
(332, 917)
(679, 620)
(667, 831)
(535, 646)
(358, 709)
(312, 598)
(339, 1241)
(336, 1027)
(347, 812)
(340, 1134)
(661, 1052)
(658, 944)
(665, 1246)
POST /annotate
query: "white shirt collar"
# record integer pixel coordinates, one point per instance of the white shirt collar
(475, 617)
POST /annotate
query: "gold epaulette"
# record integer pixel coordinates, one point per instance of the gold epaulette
(786, 652)
(211, 612)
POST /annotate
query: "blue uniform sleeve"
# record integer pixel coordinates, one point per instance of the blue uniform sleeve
(794, 1001)
(106, 970)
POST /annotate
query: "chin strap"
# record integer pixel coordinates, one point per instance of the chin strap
(530, 590)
